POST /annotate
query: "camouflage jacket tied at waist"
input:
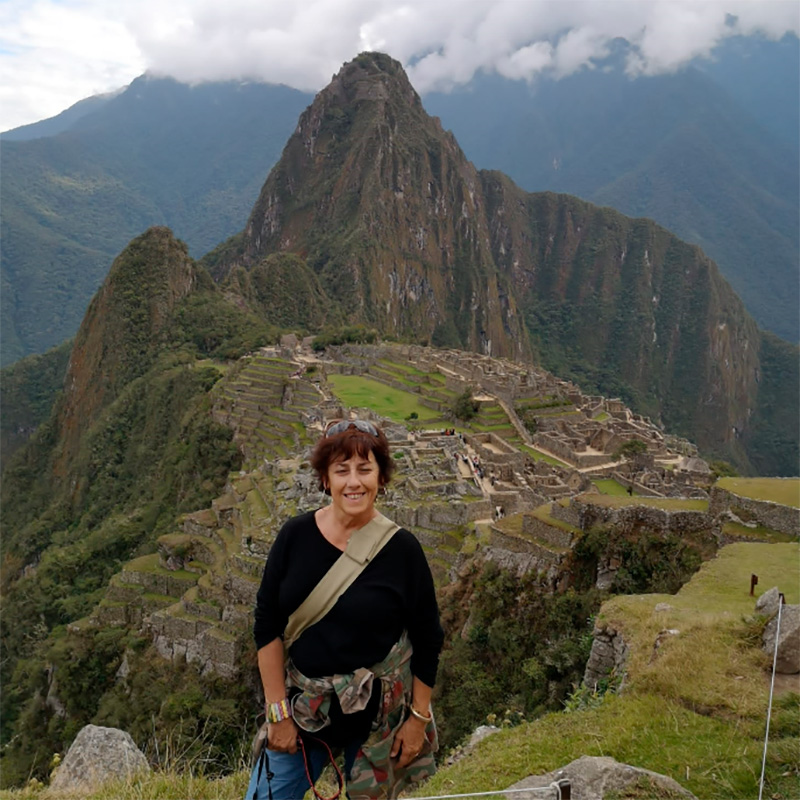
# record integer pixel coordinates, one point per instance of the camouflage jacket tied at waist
(374, 775)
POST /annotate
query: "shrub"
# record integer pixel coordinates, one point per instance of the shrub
(465, 406)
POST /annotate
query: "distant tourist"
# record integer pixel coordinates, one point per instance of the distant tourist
(380, 639)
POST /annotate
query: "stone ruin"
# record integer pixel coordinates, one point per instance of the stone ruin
(530, 495)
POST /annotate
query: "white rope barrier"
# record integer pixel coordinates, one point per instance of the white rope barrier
(771, 691)
(552, 787)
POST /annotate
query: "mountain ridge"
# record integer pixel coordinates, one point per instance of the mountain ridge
(71, 201)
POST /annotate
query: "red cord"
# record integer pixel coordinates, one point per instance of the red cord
(339, 776)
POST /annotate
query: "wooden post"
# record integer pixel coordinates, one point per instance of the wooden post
(753, 583)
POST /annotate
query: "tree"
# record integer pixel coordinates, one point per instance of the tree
(722, 469)
(465, 406)
(631, 449)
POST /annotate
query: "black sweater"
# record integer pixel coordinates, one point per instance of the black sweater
(395, 592)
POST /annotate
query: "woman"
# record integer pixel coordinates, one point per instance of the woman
(360, 678)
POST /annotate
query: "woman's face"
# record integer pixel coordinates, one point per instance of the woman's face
(354, 484)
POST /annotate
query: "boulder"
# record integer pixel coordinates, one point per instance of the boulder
(767, 604)
(96, 756)
(788, 659)
(595, 778)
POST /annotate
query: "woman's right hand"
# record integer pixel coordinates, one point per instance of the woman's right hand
(282, 736)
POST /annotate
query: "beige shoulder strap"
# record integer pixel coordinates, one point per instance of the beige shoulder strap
(364, 545)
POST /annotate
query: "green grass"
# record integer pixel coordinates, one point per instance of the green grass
(393, 366)
(362, 392)
(785, 491)
(154, 786)
(610, 487)
(538, 455)
(694, 711)
(666, 503)
(758, 532)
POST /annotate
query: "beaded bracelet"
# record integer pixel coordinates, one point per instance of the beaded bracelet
(277, 712)
(419, 715)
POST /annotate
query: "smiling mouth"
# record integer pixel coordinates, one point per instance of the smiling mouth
(355, 496)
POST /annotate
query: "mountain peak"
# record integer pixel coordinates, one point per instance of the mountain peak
(124, 323)
(384, 207)
(370, 76)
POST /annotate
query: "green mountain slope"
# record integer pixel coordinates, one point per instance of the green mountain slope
(160, 153)
(28, 390)
(677, 149)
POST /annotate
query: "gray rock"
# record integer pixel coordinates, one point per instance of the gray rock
(788, 660)
(98, 755)
(480, 733)
(594, 778)
(767, 604)
(609, 656)
(662, 607)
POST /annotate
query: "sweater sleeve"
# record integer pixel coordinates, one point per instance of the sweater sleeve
(269, 618)
(424, 627)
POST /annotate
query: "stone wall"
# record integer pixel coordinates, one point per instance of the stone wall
(441, 516)
(571, 514)
(510, 502)
(554, 445)
(783, 519)
(557, 537)
(630, 518)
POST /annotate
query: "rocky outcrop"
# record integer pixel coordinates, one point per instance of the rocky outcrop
(98, 755)
(599, 777)
(608, 657)
(787, 639)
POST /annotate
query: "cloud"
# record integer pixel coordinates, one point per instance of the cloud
(54, 52)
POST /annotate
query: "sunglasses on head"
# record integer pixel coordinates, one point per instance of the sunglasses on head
(360, 424)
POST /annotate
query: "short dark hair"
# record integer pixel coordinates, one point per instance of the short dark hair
(343, 446)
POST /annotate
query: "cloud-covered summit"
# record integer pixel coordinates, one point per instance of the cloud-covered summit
(55, 52)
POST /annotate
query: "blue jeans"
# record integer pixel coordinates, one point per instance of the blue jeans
(289, 780)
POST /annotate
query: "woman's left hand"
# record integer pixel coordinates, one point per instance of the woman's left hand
(408, 741)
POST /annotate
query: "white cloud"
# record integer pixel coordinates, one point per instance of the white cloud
(54, 52)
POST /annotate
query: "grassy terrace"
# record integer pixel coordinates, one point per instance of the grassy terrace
(538, 455)
(665, 503)
(785, 491)
(359, 391)
(758, 532)
(512, 525)
(611, 487)
(543, 513)
(399, 366)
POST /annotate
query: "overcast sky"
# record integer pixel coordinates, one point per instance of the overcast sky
(56, 52)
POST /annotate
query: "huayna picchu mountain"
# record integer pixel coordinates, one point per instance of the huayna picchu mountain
(386, 209)
(405, 235)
